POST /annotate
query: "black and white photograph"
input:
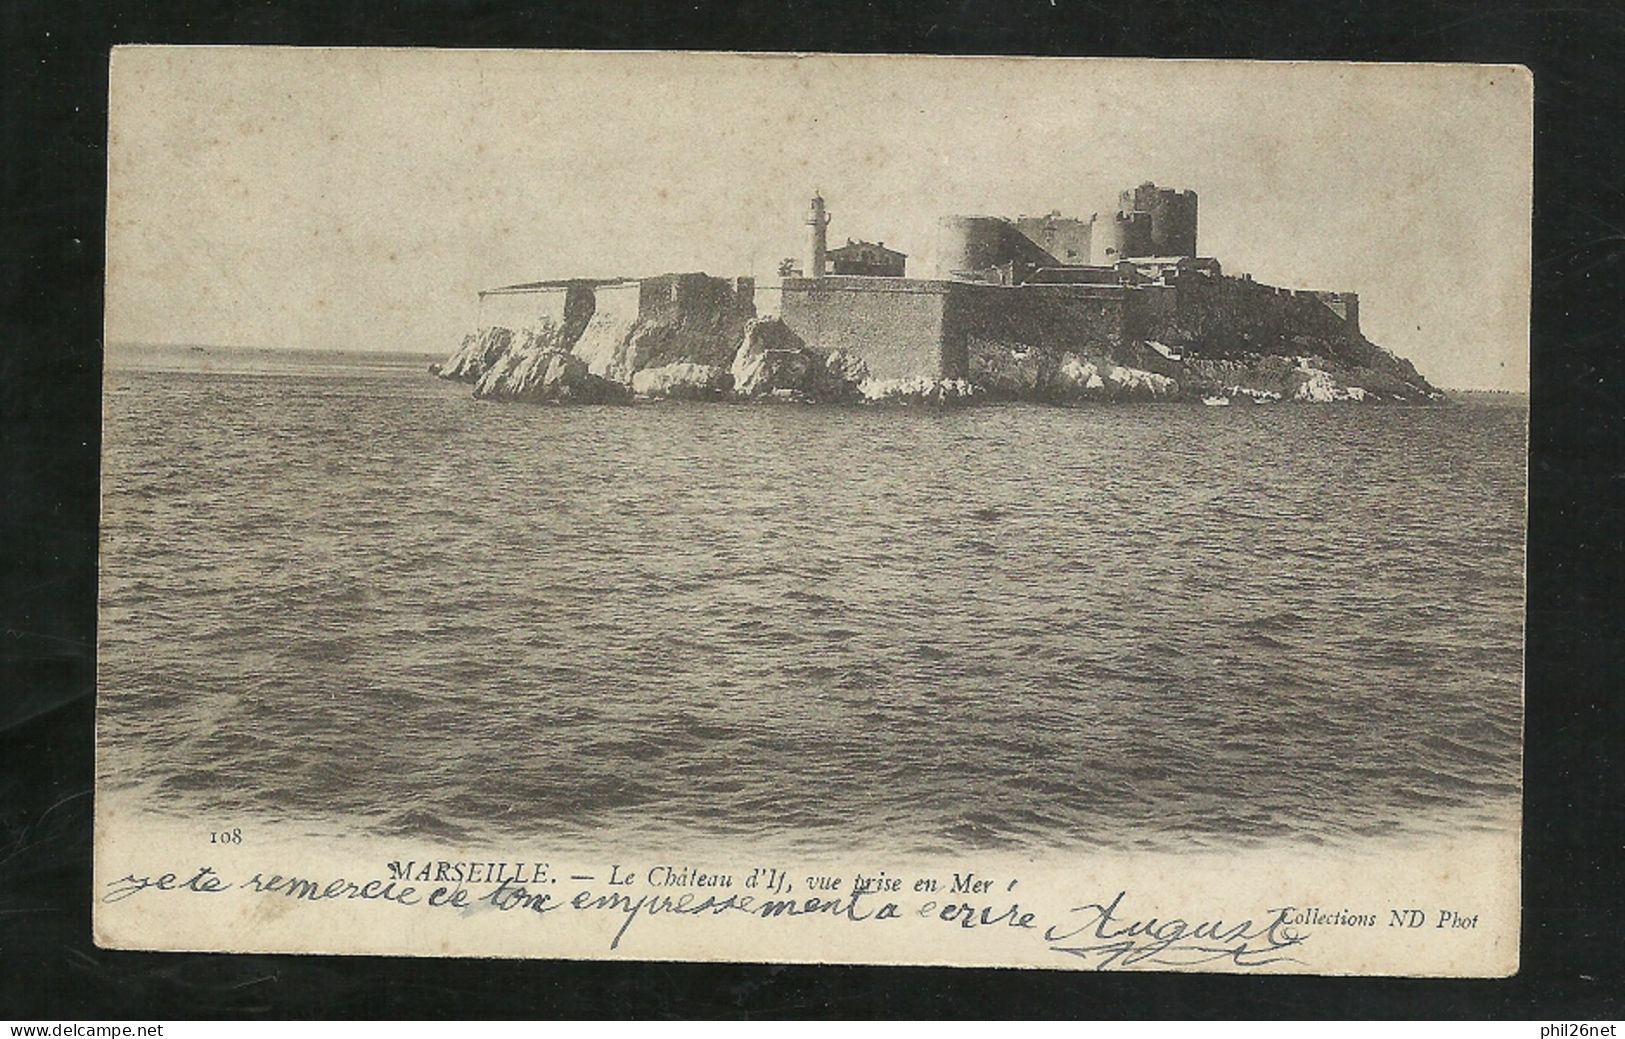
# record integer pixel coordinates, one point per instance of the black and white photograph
(1058, 513)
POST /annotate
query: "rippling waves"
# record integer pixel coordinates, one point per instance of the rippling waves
(373, 602)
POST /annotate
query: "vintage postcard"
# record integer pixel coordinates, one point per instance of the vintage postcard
(978, 511)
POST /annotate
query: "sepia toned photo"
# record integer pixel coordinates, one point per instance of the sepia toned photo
(1052, 513)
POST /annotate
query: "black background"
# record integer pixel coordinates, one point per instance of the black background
(54, 134)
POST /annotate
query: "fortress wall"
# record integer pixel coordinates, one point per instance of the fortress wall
(768, 298)
(1148, 308)
(618, 301)
(905, 328)
(1345, 305)
(656, 293)
(984, 324)
(1006, 339)
(1058, 318)
(674, 297)
(893, 324)
(520, 309)
(1231, 315)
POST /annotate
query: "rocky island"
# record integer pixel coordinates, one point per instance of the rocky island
(1050, 309)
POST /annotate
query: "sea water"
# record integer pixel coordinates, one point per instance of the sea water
(355, 599)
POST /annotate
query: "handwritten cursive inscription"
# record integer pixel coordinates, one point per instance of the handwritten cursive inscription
(1103, 937)
(204, 882)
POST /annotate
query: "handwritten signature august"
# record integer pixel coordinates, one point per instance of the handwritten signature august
(1106, 938)
(1101, 935)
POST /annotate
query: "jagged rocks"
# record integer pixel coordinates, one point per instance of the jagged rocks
(1133, 384)
(1071, 378)
(1009, 369)
(1018, 371)
(845, 369)
(919, 391)
(1309, 379)
(499, 347)
(479, 351)
(550, 376)
(782, 373)
(1319, 387)
(683, 381)
(761, 373)
(772, 363)
(1075, 379)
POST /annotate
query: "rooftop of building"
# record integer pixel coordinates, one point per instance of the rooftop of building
(861, 244)
(553, 283)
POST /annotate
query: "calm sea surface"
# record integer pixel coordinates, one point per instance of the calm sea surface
(365, 602)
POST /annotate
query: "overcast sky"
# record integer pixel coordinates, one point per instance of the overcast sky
(359, 199)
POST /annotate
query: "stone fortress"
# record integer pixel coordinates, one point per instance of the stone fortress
(1053, 308)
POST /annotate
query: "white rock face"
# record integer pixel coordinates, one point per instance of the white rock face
(603, 343)
(767, 371)
(682, 381)
(1317, 389)
(1321, 388)
(479, 351)
(1133, 382)
(1257, 396)
(918, 391)
(1075, 379)
(546, 375)
(773, 358)
(845, 368)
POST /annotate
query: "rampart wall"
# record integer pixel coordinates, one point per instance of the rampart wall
(905, 328)
(1234, 316)
(523, 308)
(1060, 318)
(1004, 337)
(1345, 305)
(894, 324)
(667, 297)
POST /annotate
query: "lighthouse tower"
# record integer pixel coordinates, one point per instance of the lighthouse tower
(817, 221)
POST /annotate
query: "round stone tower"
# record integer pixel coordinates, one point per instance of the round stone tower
(968, 244)
(1114, 237)
(985, 248)
(1173, 218)
(817, 244)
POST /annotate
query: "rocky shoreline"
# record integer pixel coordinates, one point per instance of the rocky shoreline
(719, 349)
